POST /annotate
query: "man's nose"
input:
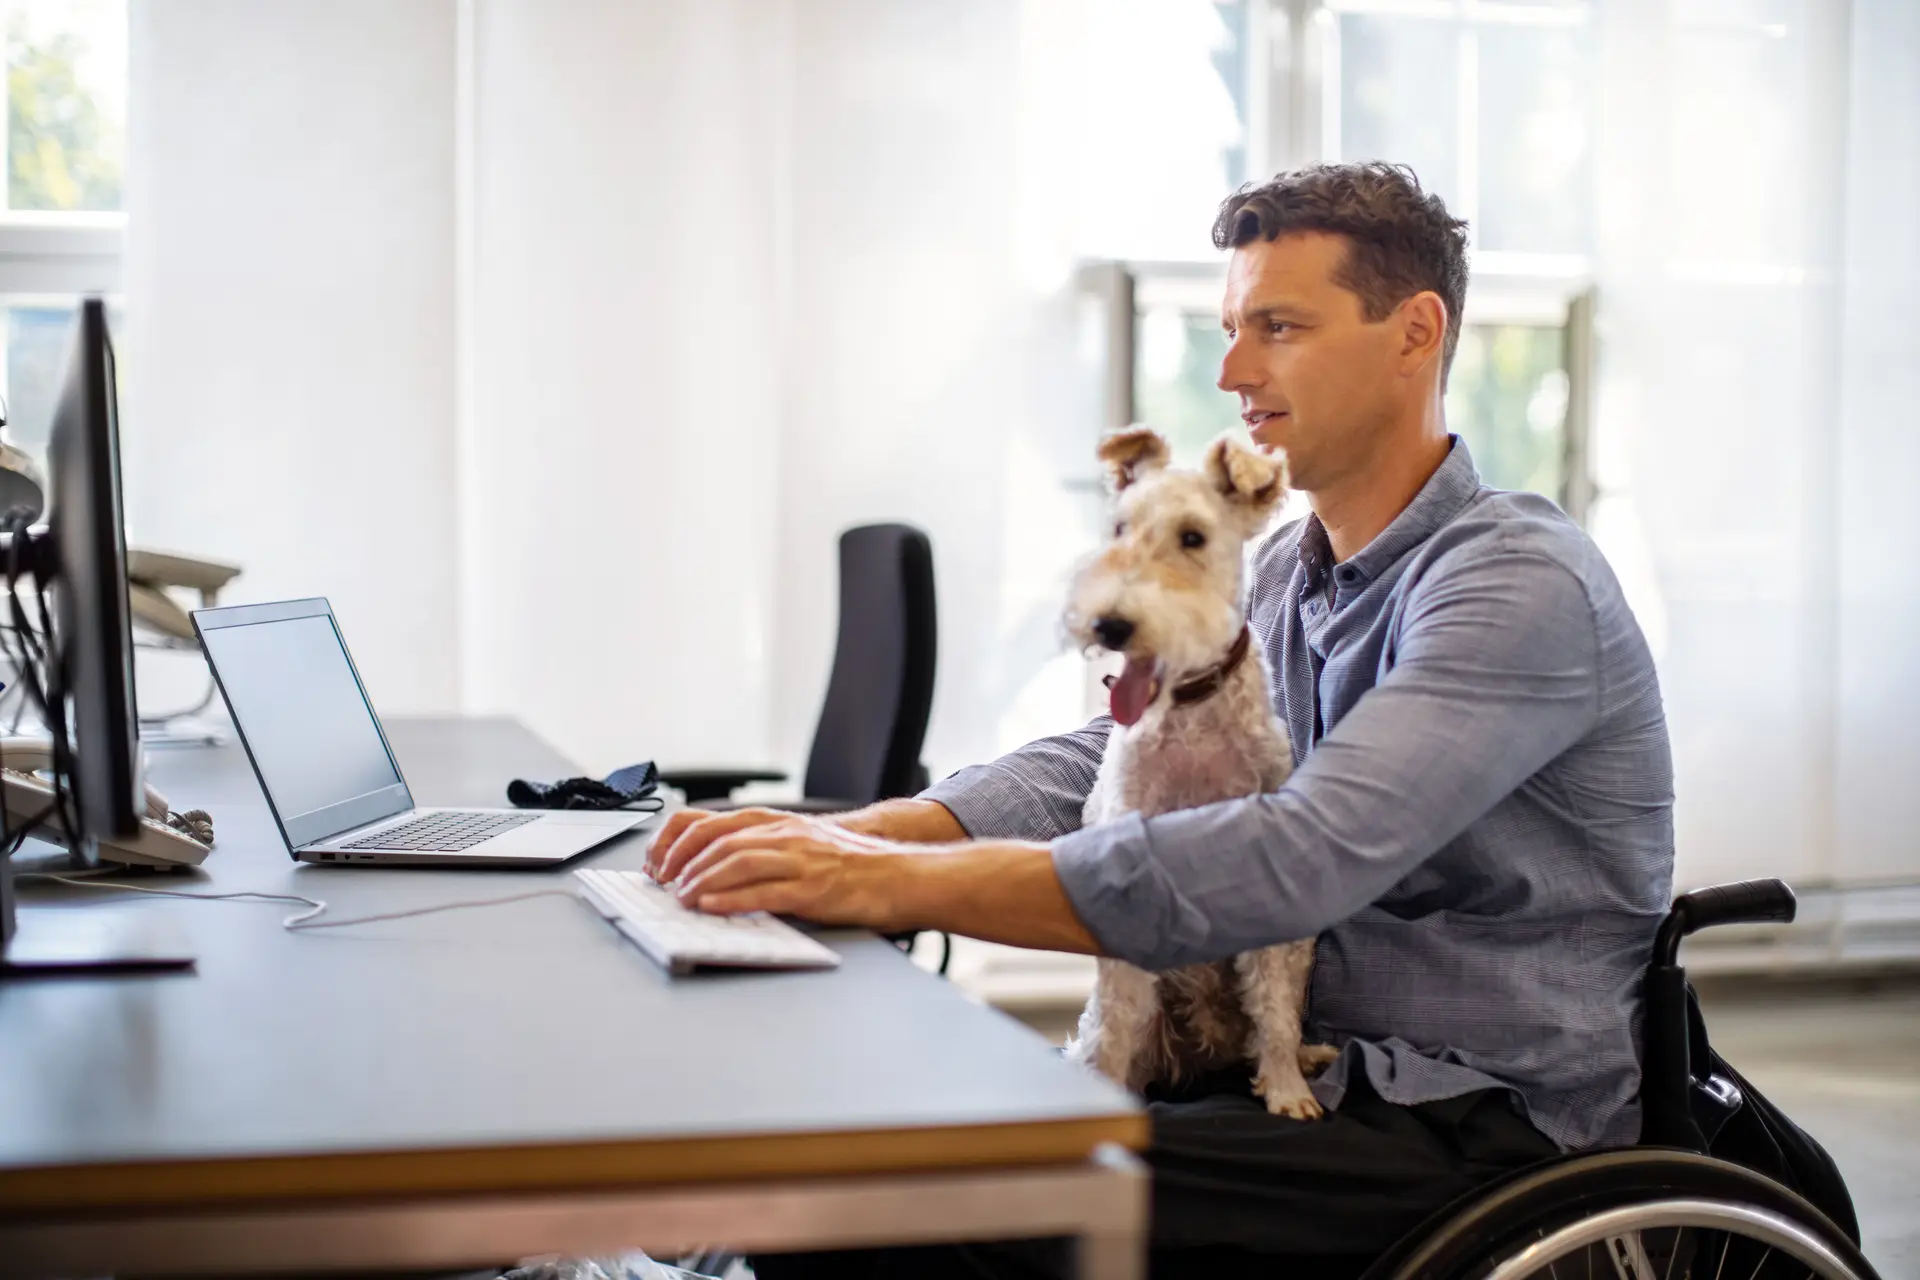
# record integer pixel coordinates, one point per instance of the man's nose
(1113, 633)
(1238, 371)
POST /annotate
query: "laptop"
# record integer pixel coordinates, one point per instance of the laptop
(329, 775)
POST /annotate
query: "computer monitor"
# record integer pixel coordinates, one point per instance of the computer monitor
(93, 620)
(82, 558)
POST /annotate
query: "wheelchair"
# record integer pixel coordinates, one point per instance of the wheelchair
(1722, 1186)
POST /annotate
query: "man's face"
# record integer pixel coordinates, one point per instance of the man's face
(1313, 376)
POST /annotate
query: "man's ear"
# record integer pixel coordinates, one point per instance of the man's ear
(1253, 481)
(1424, 329)
(1133, 454)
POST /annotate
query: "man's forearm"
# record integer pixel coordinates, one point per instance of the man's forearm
(910, 821)
(1000, 891)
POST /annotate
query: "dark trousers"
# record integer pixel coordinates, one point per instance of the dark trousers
(1239, 1192)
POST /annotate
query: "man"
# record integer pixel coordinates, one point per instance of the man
(1478, 828)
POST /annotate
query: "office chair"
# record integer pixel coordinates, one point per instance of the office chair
(867, 744)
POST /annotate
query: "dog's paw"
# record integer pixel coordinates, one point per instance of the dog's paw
(1293, 1100)
(1315, 1058)
(1301, 1106)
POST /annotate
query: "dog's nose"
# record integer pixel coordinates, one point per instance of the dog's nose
(1113, 633)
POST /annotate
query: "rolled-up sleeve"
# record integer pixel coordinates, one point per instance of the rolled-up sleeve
(1496, 673)
(1035, 793)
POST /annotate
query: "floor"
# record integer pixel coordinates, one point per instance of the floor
(1844, 1061)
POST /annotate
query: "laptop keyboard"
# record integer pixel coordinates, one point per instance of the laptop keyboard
(447, 832)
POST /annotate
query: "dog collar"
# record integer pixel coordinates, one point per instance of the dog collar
(1208, 682)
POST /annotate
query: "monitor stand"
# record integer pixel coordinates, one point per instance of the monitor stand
(61, 940)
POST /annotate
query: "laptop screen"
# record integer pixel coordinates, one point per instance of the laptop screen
(296, 701)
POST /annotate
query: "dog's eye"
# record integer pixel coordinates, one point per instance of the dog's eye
(1193, 539)
(1120, 529)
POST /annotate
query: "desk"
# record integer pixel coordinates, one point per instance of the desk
(480, 1086)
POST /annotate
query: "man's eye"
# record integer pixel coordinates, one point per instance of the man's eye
(1278, 327)
(1193, 539)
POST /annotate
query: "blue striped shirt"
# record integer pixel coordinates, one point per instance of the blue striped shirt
(1479, 827)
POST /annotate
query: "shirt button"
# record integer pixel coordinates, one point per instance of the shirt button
(1348, 575)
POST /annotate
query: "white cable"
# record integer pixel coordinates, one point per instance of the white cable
(299, 921)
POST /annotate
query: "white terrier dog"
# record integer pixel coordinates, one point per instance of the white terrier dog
(1193, 725)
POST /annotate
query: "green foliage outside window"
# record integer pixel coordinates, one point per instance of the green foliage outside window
(64, 152)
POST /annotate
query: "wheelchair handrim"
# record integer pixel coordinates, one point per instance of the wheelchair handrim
(1760, 1225)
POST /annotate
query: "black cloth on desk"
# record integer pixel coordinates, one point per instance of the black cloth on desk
(1240, 1192)
(618, 790)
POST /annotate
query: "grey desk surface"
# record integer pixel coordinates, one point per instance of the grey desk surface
(511, 1047)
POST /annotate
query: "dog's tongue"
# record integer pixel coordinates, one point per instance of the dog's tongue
(1134, 689)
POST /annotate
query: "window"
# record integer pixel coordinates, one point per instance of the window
(62, 223)
(1491, 104)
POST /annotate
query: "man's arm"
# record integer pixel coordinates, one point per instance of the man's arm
(1035, 793)
(1497, 673)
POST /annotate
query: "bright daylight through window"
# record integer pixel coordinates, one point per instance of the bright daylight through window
(60, 232)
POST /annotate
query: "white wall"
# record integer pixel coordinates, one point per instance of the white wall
(933, 369)
(1877, 805)
(626, 400)
(1718, 391)
(290, 344)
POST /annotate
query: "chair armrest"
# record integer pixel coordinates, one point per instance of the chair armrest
(715, 784)
(789, 804)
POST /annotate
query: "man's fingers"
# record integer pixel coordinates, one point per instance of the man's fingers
(777, 896)
(728, 847)
(753, 866)
(699, 835)
(669, 832)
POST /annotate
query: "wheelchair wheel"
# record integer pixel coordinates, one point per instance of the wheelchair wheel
(1641, 1214)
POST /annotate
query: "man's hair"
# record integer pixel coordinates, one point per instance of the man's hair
(1400, 240)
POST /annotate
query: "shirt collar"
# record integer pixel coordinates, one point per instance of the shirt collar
(1444, 495)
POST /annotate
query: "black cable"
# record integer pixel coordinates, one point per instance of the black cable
(56, 689)
(28, 828)
(41, 673)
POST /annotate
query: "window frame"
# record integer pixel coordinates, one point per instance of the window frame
(62, 254)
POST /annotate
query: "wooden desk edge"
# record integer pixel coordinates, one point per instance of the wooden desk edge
(37, 1191)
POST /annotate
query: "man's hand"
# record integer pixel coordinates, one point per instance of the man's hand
(798, 865)
(690, 831)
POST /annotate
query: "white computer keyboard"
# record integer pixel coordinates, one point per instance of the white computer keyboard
(681, 940)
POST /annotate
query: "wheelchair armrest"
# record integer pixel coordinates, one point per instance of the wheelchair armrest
(1748, 902)
(715, 784)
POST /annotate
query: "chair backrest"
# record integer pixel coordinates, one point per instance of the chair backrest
(867, 744)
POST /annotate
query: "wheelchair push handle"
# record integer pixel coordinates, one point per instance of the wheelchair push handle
(1748, 902)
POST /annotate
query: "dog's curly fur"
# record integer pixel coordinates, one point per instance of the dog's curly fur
(1184, 605)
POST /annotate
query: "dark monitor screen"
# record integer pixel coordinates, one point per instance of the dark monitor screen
(93, 619)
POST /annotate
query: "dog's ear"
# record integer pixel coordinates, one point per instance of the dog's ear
(1246, 476)
(1133, 454)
